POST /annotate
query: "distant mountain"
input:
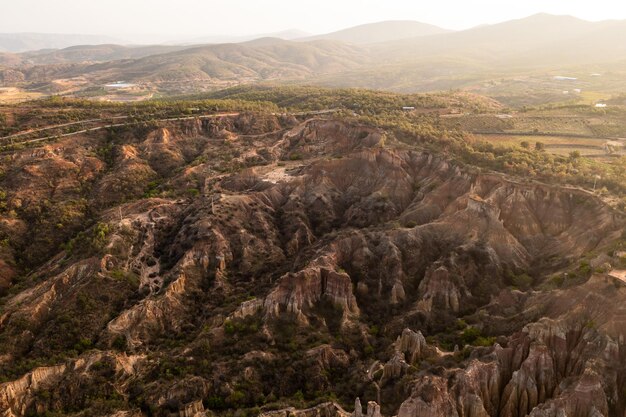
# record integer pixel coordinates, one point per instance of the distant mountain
(269, 58)
(382, 32)
(21, 42)
(503, 42)
(8, 59)
(94, 53)
(290, 34)
(498, 60)
(399, 56)
(600, 43)
(259, 60)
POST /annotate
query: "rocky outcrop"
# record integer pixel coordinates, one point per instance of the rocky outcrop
(329, 358)
(152, 316)
(34, 305)
(373, 409)
(19, 397)
(431, 397)
(553, 366)
(438, 289)
(324, 137)
(413, 345)
(298, 292)
(194, 409)
(409, 348)
(358, 408)
(322, 410)
(16, 396)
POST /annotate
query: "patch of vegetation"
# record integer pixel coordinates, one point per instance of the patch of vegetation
(88, 243)
(248, 325)
(520, 281)
(126, 276)
(152, 190)
(473, 336)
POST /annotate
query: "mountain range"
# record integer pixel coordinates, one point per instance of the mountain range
(382, 32)
(22, 42)
(402, 56)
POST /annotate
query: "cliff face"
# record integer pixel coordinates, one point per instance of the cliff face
(263, 261)
(560, 365)
(63, 383)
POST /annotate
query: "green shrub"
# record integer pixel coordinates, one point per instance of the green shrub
(522, 281)
(584, 268)
(484, 341)
(126, 276)
(470, 335)
(193, 192)
(119, 343)
(83, 345)
(152, 190)
(298, 396)
(88, 243)
(235, 399)
(215, 403)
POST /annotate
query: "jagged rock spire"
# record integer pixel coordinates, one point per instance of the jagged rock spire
(358, 409)
(373, 409)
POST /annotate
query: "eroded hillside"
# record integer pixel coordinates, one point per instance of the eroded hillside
(249, 263)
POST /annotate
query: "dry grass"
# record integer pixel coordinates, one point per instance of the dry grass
(12, 95)
(516, 140)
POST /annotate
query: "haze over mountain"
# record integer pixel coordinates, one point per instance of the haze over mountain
(95, 53)
(290, 34)
(507, 40)
(22, 42)
(402, 56)
(29, 42)
(267, 58)
(382, 32)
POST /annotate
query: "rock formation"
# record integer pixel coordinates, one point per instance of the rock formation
(256, 262)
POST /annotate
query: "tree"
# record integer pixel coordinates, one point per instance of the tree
(540, 146)
(525, 145)
(574, 155)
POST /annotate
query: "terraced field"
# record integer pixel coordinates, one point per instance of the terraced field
(581, 121)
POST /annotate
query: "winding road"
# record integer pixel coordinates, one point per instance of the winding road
(94, 129)
(113, 125)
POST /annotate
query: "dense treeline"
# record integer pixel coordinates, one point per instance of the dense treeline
(305, 98)
(171, 106)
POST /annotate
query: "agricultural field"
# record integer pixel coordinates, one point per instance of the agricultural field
(585, 121)
(559, 145)
(12, 95)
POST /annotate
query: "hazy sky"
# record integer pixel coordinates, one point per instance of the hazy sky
(181, 18)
